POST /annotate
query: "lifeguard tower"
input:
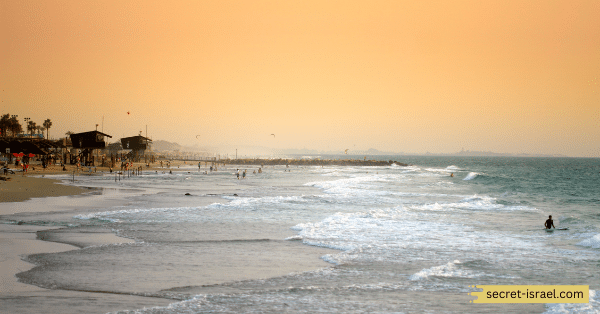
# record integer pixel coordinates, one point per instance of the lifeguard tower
(138, 145)
(87, 142)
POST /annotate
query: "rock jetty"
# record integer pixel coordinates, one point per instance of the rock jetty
(311, 162)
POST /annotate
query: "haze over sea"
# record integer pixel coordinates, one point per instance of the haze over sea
(401, 238)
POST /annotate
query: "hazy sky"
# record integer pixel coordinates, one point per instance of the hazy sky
(405, 76)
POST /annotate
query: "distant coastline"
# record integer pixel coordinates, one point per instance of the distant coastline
(247, 151)
(468, 153)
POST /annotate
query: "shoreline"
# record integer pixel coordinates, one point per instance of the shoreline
(20, 240)
(30, 195)
(20, 188)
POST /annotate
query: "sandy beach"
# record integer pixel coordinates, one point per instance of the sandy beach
(18, 241)
(25, 198)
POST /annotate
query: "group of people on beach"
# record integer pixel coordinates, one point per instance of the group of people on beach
(212, 167)
(243, 174)
(237, 174)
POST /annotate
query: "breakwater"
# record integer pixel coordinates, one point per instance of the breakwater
(310, 162)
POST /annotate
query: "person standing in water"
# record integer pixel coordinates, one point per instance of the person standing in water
(549, 223)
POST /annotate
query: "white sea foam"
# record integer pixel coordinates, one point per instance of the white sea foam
(445, 170)
(592, 307)
(474, 202)
(135, 214)
(451, 269)
(593, 242)
(326, 185)
(409, 169)
(256, 202)
(398, 234)
(471, 176)
(366, 188)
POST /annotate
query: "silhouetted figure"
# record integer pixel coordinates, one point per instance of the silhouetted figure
(549, 223)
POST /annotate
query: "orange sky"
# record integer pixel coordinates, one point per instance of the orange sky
(403, 76)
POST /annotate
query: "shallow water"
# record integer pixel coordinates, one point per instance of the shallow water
(404, 239)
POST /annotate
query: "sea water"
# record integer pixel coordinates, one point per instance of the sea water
(401, 238)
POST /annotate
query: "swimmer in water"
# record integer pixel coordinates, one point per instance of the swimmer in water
(549, 223)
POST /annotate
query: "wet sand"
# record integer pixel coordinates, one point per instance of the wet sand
(19, 188)
(18, 241)
(27, 197)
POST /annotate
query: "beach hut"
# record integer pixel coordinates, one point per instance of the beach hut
(138, 145)
(89, 140)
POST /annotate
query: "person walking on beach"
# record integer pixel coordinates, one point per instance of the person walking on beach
(244, 174)
(238, 174)
(549, 223)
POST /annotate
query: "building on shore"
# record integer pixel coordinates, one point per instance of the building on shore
(138, 145)
(84, 145)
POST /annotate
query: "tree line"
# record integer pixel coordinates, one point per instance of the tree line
(11, 127)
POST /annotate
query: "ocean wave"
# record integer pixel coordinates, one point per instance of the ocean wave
(397, 235)
(471, 176)
(592, 307)
(436, 170)
(570, 220)
(254, 202)
(135, 214)
(448, 270)
(475, 202)
(408, 169)
(367, 188)
(593, 242)
(445, 170)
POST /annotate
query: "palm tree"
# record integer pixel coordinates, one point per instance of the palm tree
(31, 126)
(4, 124)
(47, 125)
(42, 129)
(14, 126)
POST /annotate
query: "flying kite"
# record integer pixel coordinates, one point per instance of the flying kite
(197, 136)
(346, 151)
(127, 112)
(273, 135)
